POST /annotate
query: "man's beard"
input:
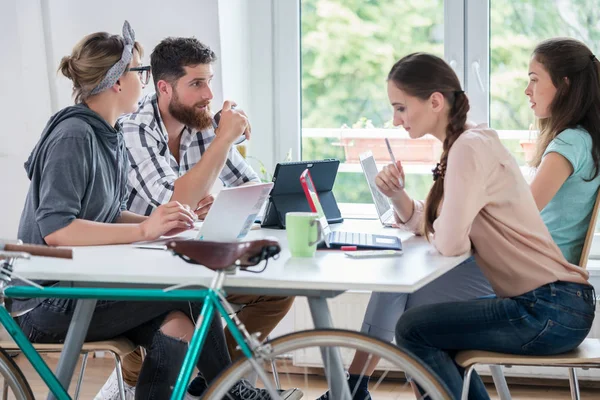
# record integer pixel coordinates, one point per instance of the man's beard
(191, 116)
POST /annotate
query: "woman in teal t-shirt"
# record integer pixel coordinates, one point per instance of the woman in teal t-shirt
(564, 92)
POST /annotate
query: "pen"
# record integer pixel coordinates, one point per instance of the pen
(389, 147)
(151, 246)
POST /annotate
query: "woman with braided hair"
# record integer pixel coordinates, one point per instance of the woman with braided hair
(465, 282)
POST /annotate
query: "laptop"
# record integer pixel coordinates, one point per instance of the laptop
(233, 212)
(337, 239)
(382, 203)
(229, 219)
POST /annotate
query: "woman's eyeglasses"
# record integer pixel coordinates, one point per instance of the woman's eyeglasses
(143, 72)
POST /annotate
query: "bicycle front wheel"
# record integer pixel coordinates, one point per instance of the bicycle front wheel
(298, 358)
(13, 384)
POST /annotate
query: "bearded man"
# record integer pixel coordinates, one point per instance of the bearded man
(177, 152)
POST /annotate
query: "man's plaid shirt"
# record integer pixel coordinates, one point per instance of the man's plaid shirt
(154, 169)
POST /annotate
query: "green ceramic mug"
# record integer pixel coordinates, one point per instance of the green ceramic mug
(303, 233)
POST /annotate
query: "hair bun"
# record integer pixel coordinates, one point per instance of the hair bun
(66, 67)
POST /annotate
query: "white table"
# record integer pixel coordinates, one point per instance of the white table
(326, 275)
(328, 271)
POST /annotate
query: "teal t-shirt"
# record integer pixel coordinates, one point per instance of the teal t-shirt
(568, 214)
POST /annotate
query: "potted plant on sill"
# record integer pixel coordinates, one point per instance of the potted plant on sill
(426, 150)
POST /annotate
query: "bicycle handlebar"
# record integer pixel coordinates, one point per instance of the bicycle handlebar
(37, 250)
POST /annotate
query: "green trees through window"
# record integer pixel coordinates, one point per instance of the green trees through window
(348, 47)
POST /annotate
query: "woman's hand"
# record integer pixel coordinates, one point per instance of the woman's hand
(171, 218)
(389, 180)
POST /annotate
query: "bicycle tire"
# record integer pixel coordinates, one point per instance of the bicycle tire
(435, 389)
(12, 374)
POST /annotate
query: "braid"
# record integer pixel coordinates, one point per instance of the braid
(456, 126)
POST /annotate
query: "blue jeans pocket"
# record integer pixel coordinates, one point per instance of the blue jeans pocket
(33, 334)
(61, 306)
(555, 338)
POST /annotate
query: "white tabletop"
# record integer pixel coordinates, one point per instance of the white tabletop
(328, 270)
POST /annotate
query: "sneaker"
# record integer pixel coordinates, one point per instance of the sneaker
(362, 391)
(110, 390)
(243, 390)
(188, 396)
(197, 385)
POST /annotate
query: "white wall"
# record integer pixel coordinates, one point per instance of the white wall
(36, 34)
(235, 53)
(24, 102)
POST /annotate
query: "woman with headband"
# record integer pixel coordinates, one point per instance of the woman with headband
(77, 197)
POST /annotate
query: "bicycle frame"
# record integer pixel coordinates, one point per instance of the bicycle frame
(210, 298)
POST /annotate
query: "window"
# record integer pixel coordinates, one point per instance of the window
(347, 49)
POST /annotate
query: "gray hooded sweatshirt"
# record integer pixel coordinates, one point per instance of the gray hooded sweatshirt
(78, 169)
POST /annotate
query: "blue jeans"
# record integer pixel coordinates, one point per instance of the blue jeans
(551, 319)
(140, 322)
(465, 282)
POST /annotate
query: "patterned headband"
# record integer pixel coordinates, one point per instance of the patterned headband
(115, 72)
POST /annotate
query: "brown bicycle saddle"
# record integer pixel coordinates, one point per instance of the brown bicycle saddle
(222, 255)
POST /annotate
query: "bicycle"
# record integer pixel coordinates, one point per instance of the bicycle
(223, 258)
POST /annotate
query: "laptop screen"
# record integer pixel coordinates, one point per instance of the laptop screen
(382, 203)
(314, 203)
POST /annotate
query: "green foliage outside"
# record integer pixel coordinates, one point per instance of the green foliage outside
(348, 47)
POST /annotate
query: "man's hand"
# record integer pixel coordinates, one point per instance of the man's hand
(204, 206)
(233, 123)
(248, 130)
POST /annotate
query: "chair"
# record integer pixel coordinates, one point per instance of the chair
(118, 347)
(587, 355)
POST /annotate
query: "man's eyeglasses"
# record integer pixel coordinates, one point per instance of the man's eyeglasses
(143, 72)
